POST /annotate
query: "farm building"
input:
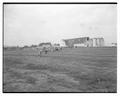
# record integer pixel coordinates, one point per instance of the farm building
(84, 42)
(56, 47)
(46, 45)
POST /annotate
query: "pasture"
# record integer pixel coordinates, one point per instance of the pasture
(68, 70)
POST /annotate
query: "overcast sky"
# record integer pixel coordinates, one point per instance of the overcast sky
(32, 24)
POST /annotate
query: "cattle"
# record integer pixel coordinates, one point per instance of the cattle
(44, 48)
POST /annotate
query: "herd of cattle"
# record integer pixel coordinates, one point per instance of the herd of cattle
(45, 50)
(42, 49)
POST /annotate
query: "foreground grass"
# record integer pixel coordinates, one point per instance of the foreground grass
(71, 70)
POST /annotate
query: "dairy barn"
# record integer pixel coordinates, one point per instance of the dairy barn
(84, 42)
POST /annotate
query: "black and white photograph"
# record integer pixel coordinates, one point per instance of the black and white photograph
(59, 47)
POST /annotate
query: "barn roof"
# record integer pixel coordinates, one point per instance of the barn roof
(76, 38)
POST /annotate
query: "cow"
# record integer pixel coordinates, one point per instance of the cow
(43, 50)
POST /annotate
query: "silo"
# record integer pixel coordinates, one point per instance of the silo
(94, 42)
(102, 41)
(99, 42)
(91, 43)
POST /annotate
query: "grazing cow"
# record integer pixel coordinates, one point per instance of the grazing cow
(43, 50)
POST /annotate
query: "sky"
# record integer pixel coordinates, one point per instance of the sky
(27, 24)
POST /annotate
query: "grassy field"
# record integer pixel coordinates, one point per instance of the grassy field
(69, 70)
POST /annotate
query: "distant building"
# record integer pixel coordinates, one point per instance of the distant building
(56, 45)
(46, 45)
(84, 42)
(114, 44)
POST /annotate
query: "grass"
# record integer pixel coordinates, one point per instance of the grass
(69, 70)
